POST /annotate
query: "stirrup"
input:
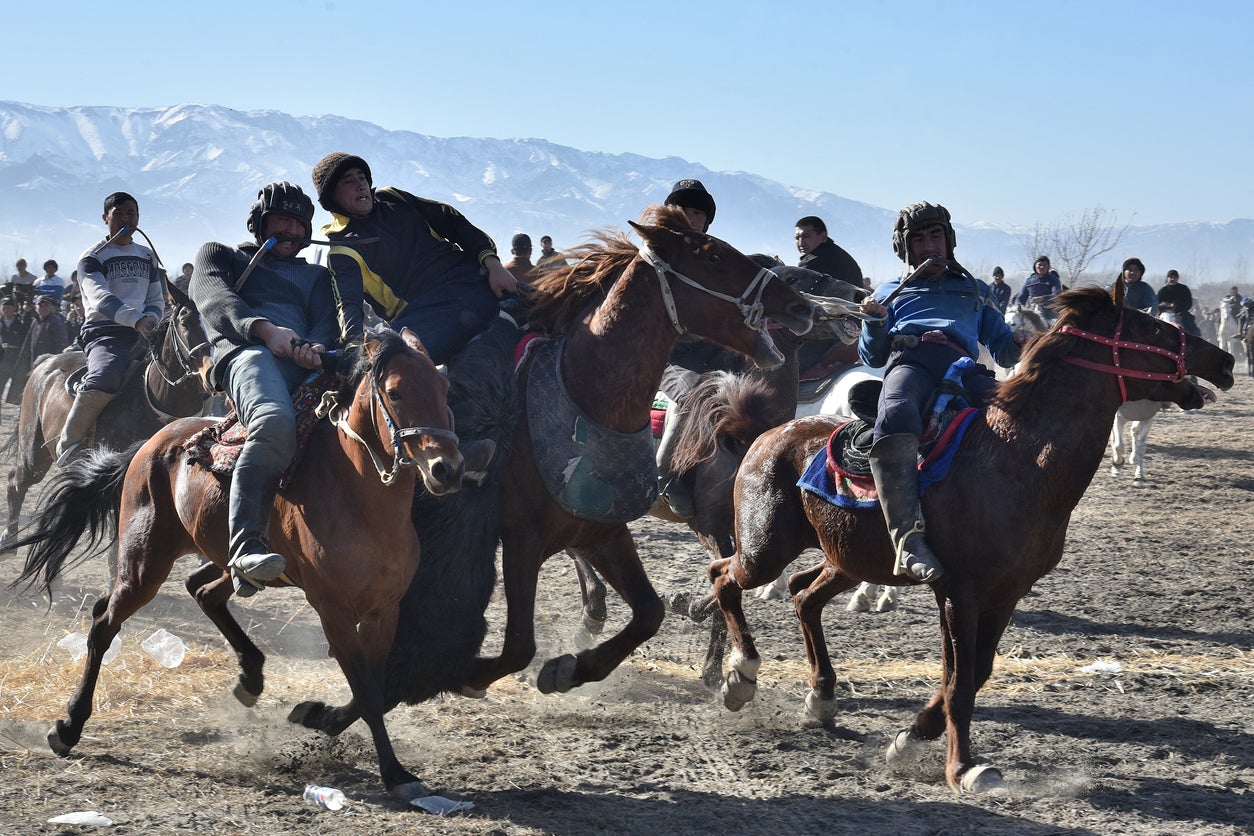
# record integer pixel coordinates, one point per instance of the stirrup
(69, 454)
(249, 572)
(676, 496)
(919, 562)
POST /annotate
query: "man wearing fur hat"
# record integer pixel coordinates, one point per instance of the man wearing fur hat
(420, 263)
(929, 320)
(270, 316)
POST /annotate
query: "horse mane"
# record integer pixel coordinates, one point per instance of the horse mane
(725, 410)
(562, 295)
(1075, 308)
(356, 364)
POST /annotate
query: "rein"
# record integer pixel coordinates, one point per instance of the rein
(339, 418)
(749, 303)
(1119, 371)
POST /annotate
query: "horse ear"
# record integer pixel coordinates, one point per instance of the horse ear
(411, 340)
(1117, 292)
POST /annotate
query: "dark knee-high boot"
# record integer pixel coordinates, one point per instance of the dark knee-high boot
(894, 464)
(669, 485)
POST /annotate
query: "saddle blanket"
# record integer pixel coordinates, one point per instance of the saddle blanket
(218, 447)
(843, 478)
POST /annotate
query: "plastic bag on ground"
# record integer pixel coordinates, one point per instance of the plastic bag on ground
(166, 648)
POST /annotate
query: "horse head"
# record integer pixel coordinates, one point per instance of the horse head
(1151, 359)
(401, 398)
(713, 290)
(832, 319)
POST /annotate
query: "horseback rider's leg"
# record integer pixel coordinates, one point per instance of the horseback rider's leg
(677, 382)
(894, 466)
(107, 359)
(446, 317)
(256, 384)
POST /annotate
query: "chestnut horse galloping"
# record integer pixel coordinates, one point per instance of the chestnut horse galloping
(997, 521)
(618, 309)
(342, 524)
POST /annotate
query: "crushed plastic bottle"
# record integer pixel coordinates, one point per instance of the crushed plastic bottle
(76, 645)
(166, 648)
(327, 797)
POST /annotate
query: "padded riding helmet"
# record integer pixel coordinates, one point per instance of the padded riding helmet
(284, 197)
(692, 194)
(916, 216)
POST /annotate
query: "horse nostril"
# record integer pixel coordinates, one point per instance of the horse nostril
(439, 470)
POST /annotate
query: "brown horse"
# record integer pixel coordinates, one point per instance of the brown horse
(997, 521)
(342, 524)
(617, 310)
(168, 386)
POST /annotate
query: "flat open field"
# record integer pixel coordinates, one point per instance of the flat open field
(1156, 578)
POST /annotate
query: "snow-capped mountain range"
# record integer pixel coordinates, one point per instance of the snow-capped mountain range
(196, 169)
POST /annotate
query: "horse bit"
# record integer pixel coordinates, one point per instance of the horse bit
(400, 460)
(1119, 371)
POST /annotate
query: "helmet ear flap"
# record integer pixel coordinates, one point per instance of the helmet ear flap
(915, 217)
(287, 198)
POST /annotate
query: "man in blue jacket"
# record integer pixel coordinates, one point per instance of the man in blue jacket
(931, 318)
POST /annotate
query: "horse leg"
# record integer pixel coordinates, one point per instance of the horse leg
(521, 558)
(143, 574)
(1116, 445)
(592, 591)
(21, 477)
(211, 587)
(616, 558)
(887, 602)
(860, 601)
(741, 683)
(974, 668)
(1139, 438)
(828, 582)
(362, 654)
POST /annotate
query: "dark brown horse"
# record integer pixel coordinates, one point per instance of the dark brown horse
(618, 309)
(997, 521)
(168, 385)
(342, 524)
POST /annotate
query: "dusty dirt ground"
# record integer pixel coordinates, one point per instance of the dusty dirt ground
(1155, 578)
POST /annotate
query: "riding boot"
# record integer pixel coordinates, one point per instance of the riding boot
(669, 485)
(252, 562)
(88, 404)
(894, 464)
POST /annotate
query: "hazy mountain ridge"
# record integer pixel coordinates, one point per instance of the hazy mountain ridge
(196, 169)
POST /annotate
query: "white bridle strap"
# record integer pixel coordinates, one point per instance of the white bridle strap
(753, 311)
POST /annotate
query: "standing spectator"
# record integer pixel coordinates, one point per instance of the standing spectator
(1040, 287)
(1000, 290)
(520, 265)
(123, 301)
(820, 253)
(48, 334)
(50, 284)
(1174, 296)
(12, 335)
(550, 258)
(1137, 294)
(21, 276)
(74, 318)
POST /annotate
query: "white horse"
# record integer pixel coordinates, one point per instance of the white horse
(1229, 329)
(1134, 418)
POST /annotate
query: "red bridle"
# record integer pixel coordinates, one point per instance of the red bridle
(1119, 371)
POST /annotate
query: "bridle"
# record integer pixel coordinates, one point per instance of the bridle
(749, 303)
(396, 437)
(1119, 371)
(184, 353)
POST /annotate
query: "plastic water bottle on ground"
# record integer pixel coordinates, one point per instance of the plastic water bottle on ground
(327, 797)
(166, 648)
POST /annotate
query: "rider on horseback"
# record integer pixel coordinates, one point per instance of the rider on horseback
(1176, 297)
(931, 318)
(123, 300)
(269, 316)
(1039, 288)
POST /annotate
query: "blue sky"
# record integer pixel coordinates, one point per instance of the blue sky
(1007, 112)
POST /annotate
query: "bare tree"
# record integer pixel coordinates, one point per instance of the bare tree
(1077, 241)
(1037, 243)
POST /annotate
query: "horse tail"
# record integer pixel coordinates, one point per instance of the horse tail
(83, 497)
(727, 411)
(441, 624)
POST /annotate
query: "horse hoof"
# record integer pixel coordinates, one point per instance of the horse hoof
(905, 750)
(886, 603)
(858, 603)
(558, 675)
(775, 591)
(818, 710)
(593, 625)
(59, 747)
(738, 689)
(473, 693)
(409, 792)
(982, 779)
(247, 698)
(306, 714)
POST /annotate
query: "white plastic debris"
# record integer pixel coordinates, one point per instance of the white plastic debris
(76, 645)
(84, 817)
(1102, 666)
(166, 648)
(441, 806)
